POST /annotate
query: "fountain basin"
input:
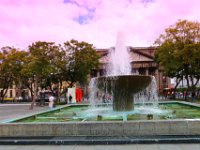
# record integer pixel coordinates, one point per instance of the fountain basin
(122, 88)
(83, 113)
(179, 126)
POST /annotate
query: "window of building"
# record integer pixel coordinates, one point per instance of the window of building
(102, 72)
(141, 71)
(133, 70)
(94, 73)
(152, 71)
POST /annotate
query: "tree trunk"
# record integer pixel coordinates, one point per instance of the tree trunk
(197, 81)
(34, 93)
(59, 90)
(192, 81)
(3, 94)
(177, 83)
(188, 82)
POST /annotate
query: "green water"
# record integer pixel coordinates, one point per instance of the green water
(84, 113)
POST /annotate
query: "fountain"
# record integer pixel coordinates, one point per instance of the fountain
(122, 88)
(122, 116)
(119, 82)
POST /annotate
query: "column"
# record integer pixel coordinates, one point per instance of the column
(146, 71)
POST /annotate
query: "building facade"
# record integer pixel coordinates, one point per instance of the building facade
(142, 62)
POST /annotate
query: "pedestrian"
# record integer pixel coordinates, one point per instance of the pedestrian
(185, 95)
(70, 98)
(193, 96)
(51, 101)
(42, 97)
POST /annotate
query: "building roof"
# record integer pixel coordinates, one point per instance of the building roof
(138, 54)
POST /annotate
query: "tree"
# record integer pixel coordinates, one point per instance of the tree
(38, 66)
(60, 71)
(178, 52)
(82, 59)
(46, 64)
(11, 64)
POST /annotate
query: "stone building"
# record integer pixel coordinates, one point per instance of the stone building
(142, 62)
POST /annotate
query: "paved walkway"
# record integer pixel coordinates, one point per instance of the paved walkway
(106, 147)
(12, 111)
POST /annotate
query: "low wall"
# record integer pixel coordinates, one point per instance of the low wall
(127, 128)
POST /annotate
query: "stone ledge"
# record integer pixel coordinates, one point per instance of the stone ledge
(117, 128)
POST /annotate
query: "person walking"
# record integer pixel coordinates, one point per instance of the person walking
(51, 101)
(193, 96)
(70, 98)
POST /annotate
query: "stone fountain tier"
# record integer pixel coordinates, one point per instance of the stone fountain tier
(122, 88)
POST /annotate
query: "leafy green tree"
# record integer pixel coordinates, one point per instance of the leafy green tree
(11, 64)
(38, 66)
(46, 64)
(60, 71)
(82, 59)
(178, 52)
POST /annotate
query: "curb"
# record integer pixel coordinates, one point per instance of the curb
(85, 140)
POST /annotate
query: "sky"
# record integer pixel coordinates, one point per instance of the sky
(98, 22)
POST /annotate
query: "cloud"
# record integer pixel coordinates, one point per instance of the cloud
(96, 22)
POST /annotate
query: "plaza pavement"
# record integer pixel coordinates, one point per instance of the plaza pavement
(12, 111)
(106, 147)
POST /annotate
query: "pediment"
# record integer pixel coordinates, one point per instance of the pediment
(134, 57)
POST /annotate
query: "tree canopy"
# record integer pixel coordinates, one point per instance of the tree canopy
(46, 64)
(82, 58)
(178, 52)
(11, 63)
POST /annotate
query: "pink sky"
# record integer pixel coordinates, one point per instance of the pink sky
(95, 21)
